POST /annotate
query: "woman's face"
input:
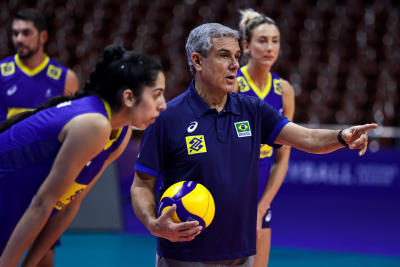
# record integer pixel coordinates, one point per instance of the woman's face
(264, 44)
(152, 102)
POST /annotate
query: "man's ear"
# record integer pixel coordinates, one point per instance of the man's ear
(245, 46)
(44, 36)
(197, 61)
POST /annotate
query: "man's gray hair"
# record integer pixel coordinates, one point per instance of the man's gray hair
(199, 40)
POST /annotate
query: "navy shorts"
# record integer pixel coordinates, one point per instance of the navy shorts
(165, 262)
(266, 222)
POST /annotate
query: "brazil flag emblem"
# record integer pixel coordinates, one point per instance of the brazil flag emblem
(243, 128)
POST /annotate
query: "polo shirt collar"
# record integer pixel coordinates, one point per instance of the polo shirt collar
(200, 107)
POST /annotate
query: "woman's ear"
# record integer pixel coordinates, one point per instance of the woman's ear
(128, 98)
(197, 61)
(245, 46)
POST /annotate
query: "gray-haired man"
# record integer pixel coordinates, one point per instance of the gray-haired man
(228, 129)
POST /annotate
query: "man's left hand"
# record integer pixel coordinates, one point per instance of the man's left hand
(356, 137)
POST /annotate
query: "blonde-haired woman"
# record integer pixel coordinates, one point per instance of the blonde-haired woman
(260, 39)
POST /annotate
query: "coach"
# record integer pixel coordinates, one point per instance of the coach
(212, 136)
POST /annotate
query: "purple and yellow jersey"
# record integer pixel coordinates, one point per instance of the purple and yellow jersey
(27, 153)
(24, 89)
(272, 94)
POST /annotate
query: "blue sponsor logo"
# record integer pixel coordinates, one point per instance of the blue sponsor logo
(196, 144)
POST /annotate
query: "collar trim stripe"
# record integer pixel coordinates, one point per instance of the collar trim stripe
(108, 109)
(257, 91)
(116, 133)
(34, 71)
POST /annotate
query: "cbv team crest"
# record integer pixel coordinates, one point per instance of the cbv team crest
(243, 128)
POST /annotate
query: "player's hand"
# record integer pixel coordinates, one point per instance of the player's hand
(164, 227)
(259, 224)
(356, 137)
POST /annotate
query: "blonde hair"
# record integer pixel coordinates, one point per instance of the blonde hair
(250, 20)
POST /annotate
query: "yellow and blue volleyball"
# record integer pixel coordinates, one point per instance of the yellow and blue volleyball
(193, 203)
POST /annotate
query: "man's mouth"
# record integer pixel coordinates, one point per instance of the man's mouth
(21, 47)
(231, 77)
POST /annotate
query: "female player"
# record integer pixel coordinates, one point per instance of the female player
(52, 156)
(261, 42)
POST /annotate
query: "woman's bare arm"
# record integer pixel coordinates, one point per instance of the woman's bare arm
(56, 225)
(85, 138)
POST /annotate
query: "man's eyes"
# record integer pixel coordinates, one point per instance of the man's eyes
(25, 33)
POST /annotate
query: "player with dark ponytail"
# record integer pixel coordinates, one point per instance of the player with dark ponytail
(52, 156)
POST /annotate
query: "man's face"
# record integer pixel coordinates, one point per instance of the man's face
(218, 70)
(26, 38)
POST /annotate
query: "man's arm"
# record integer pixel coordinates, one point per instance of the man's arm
(145, 209)
(320, 141)
(71, 83)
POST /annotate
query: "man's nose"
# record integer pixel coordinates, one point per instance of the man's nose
(235, 64)
(19, 37)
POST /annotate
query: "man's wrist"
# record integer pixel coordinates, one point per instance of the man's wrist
(340, 138)
(152, 225)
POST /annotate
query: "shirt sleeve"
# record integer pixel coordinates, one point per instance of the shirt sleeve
(271, 124)
(154, 149)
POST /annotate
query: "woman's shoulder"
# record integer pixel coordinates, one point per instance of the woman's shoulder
(89, 124)
(287, 88)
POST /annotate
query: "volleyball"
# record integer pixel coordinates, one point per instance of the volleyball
(193, 203)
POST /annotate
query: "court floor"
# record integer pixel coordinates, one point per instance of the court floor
(116, 249)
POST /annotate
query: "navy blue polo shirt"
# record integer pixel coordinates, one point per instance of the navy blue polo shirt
(190, 141)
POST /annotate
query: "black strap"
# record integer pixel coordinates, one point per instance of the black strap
(340, 138)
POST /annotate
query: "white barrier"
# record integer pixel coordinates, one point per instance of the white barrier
(380, 132)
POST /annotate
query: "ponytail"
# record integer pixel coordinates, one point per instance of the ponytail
(111, 53)
(250, 20)
(115, 72)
